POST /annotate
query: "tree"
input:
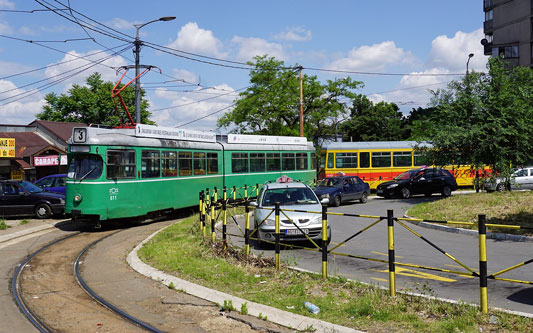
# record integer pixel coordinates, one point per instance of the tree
(92, 104)
(485, 119)
(271, 105)
(374, 122)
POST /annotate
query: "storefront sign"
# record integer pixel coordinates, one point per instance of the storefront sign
(7, 147)
(16, 174)
(49, 160)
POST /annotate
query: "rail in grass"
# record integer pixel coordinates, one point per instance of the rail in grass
(150, 171)
(209, 217)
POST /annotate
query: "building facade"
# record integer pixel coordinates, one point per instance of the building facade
(508, 30)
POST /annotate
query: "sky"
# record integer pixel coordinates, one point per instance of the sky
(398, 49)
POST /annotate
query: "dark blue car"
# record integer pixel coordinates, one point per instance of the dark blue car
(53, 183)
(343, 188)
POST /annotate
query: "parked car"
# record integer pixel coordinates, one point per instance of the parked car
(24, 198)
(294, 196)
(53, 183)
(342, 188)
(419, 181)
(521, 179)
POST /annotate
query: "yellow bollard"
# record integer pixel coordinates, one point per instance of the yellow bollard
(482, 230)
(324, 241)
(392, 269)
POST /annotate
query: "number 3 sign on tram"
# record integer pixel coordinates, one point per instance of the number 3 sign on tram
(80, 135)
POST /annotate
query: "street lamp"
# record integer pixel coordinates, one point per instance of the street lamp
(137, 51)
(469, 56)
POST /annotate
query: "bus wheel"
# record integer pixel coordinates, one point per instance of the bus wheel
(337, 201)
(406, 194)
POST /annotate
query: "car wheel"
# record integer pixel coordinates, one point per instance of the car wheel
(43, 211)
(364, 197)
(446, 191)
(337, 201)
(406, 193)
(500, 187)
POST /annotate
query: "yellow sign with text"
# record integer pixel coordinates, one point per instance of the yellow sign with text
(7, 147)
(16, 174)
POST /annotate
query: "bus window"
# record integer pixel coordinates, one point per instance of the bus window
(381, 159)
(330, 161)
(212, 163)
(257, 162)
(239, 162)
(273, 162)
(120, 164)
(287, 161)
(420, 160)
(401, 159)
(169, 164)
(313, 161)
(346, 160)
(322, 160)
(198, 162)
(301, 161)
(364, 160)
(185, 163)
(150, 164)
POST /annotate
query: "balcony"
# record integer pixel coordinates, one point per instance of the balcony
(487, 26)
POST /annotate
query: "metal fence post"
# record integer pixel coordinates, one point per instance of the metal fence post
(245, 192)
(202, 216)
(246, 228)
(482, 230)
(324, 241)
(207, 215)
(234, 193)
(256, 190)
(392, 269)
(224, 217)
(213, 218)
(276, 235)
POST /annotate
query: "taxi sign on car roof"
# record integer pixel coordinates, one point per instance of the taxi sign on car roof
(284, 179)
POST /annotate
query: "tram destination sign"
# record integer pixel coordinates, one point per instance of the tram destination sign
(149, 131)
(267, 140)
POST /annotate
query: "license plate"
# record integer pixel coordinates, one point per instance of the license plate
(296, 231)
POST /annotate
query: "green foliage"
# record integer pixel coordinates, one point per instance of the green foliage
(374, 122)
(3, 225)
(171, 285)
(271, 105)
(92, 104)
(24, 222)
(244, 308)
(228, 306)
(484, 119)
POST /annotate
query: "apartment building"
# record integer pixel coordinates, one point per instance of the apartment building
(508, 30)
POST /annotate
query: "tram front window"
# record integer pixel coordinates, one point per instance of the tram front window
(85, 166)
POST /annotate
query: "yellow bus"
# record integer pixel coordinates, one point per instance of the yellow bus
(380, 161)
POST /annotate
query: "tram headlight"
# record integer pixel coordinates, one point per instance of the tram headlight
(78, 197)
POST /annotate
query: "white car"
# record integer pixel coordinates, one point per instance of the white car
(521, 179)
(294, 196)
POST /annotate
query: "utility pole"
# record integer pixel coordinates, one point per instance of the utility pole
(301, 104)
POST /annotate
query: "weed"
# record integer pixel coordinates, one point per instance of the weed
(171, 285)
(23, 222)
(260, 316)
(3, 225)
(228, 306)
(244, 308)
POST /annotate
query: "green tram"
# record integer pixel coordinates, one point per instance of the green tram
(150, 171)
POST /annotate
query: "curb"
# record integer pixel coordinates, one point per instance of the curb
(274, 315)
(25, 232)
(490, 235)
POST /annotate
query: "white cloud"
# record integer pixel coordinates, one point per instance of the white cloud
(120, 23)
(296, 34)
(372, 58)
(452, 53)
(192, 38)
(21, 111)
(6, 4)
(5, 29)
(249, 47)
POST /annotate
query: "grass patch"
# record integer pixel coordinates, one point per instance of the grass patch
(3, 225)
(23, 222)
(181, 251)
(509, 208)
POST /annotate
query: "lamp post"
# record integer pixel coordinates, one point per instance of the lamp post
(469, 57)
(137, 51)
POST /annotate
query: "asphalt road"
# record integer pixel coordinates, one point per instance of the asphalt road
(409, 248)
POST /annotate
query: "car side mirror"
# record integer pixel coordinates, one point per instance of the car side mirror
(253, 204)
(324, 201)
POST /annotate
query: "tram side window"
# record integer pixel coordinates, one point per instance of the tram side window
(150, 164)
(120, 164)
(381, 159)
(301, 161)
(257, 162)
(346, 160)
(330, 161)
(401, 159)
(212, 163)
(185, 163)
(239, 162)
(364, 160)
(313, 161)
(169, 164)
(287, 161)
(273, 162)
(199, 163)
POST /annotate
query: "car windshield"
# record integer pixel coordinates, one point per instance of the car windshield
(29, 187)
(404, 175)
(289, 196)
(85, 166)
(330, 182)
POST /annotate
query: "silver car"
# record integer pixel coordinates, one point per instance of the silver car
(293, 196)
(521, 179)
